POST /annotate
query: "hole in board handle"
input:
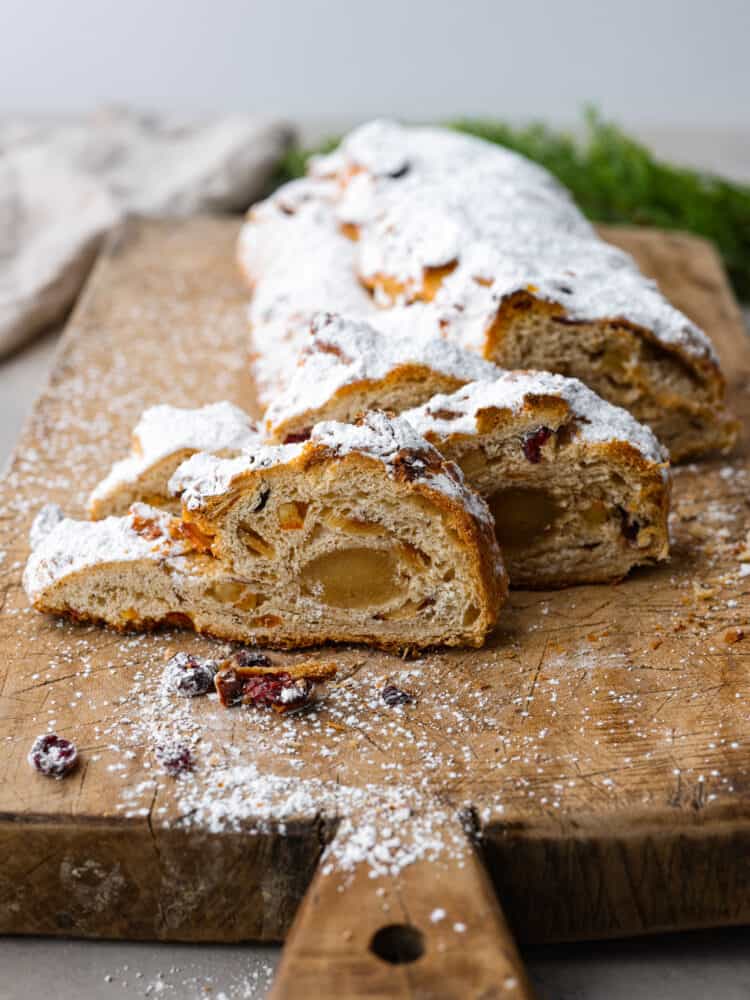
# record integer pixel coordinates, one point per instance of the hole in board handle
(398, 944)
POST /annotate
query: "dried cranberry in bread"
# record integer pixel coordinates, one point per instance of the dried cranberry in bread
(361, 534)
(162, 439)
(347, 367)
(472, 242)
(578, 488)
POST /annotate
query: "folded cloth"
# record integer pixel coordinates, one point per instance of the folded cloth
(64, 184)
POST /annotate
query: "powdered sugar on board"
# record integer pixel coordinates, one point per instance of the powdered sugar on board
(384, 824)
(599, 421)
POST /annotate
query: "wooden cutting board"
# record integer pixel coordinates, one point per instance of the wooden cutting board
(593, 758)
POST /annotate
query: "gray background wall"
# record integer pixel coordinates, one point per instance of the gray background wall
(645, 62)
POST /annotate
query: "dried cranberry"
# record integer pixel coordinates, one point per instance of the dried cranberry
(265, 690)
(175, 758)
(278, 691)
(628, 525)
(393, 695)
(189, 676)
(532, 444)
(52, 755)
(296, 437)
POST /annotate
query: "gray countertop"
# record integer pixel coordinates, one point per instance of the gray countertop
(690, 966)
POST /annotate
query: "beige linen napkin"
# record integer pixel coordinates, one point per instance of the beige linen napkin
(64, 184)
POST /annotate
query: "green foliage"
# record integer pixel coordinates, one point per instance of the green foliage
(294, 162)
(616, 179)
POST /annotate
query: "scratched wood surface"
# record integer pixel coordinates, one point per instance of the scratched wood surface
(598, 746)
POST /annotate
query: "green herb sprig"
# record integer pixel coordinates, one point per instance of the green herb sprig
(616, 179)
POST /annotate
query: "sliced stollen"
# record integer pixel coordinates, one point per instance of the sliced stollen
(294, 233)
(162, 439)
(361, 534)
(347, 367)
(472, 242)
(578, 488)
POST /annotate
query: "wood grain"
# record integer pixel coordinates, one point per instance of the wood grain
(599, 741)
(444, 909)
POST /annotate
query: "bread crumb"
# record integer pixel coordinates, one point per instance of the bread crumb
(733, 635)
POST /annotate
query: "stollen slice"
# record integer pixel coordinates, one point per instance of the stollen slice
(578, 488)
(361, 534)
(348, 367)
(162, 439)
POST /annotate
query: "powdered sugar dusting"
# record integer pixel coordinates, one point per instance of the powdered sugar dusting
(600, 421)
(165, 430)
(377, 436)
(522, 228)
(75, 545)
(49, 517)
(343, 352)
(205, 475)
(422, 198)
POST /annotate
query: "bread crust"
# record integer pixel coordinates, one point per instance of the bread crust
(720, 428)
(619, 474)
(119, 570)
(475, 243)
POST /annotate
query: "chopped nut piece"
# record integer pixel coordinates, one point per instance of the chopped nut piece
(258, 683)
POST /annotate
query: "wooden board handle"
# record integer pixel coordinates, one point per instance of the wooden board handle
(434, 930)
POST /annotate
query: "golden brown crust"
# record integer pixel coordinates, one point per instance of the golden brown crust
(721, 429)
(272, 641)
(411, 374)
